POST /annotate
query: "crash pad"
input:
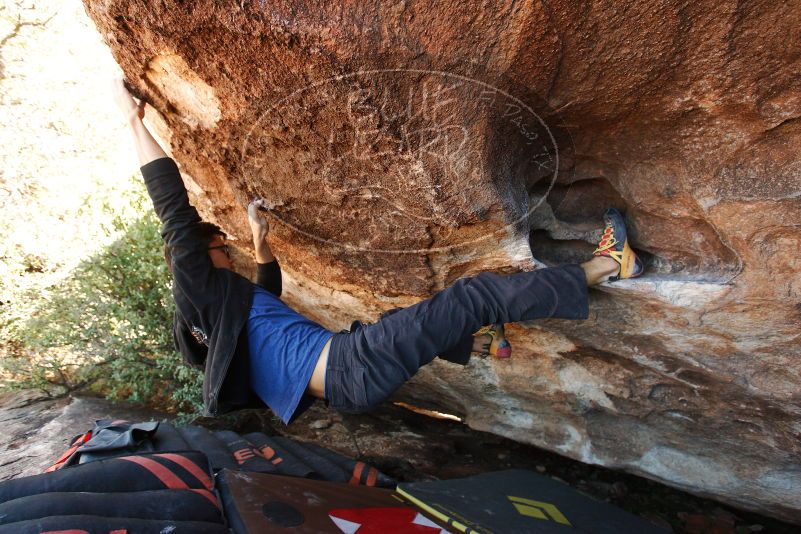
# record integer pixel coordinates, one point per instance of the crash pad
(261, 502)
(519, 501)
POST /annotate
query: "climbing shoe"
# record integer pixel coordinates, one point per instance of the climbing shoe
(615, 244)
(499, 347)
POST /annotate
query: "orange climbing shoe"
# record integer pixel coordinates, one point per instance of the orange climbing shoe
(615, 244)
(499, 347)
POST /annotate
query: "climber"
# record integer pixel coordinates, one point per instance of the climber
(254, 348)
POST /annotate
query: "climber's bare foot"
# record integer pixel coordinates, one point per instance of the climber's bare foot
(599, 269)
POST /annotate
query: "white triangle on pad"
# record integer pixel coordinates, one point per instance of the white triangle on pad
(348, 527)
(422, 520)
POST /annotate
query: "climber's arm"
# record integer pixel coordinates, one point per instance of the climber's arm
(269, 272)
(191, 266)
(147, 147)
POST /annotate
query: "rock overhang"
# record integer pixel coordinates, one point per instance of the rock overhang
(684, 118)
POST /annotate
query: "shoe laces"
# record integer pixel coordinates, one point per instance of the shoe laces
(607, 240)
(488, 329)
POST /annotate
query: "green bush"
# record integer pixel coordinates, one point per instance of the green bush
(108, 326)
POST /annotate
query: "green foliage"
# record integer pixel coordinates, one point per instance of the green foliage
(107, 327)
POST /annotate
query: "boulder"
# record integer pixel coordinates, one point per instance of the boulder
(403, 145)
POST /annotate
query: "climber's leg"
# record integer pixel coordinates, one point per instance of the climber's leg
(368, 364)
(459, 353)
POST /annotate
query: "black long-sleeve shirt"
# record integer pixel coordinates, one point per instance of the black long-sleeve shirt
(212, 305)
(190, 343)
(235, 391)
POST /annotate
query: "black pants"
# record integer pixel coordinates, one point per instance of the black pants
(367, 364)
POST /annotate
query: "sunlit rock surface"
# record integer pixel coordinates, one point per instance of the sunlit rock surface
(406, 144)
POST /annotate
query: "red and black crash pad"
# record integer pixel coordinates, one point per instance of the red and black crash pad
(110, 438)
(260, 502)
(145, 477)
(519, 501)
(224, 449)
(154, 492)
(142, 472)
(178, 505)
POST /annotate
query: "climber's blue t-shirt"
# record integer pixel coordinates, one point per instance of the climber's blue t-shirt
(284, 347)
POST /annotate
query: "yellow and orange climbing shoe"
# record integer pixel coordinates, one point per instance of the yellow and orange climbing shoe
(499, 347)
(615, 244)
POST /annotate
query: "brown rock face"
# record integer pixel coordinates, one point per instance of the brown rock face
(406, 144)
